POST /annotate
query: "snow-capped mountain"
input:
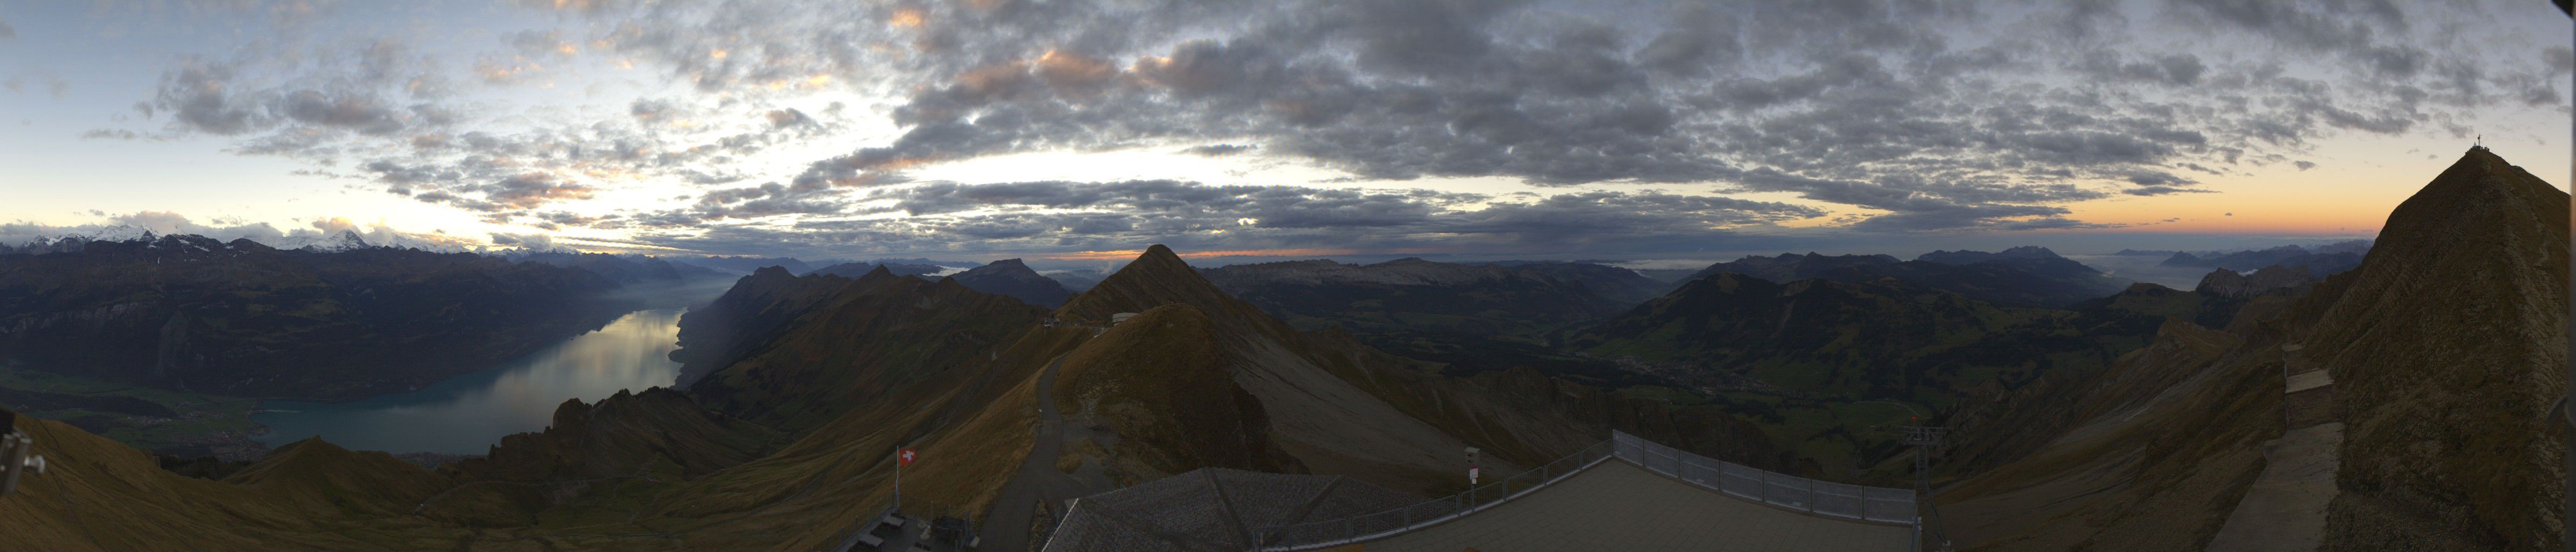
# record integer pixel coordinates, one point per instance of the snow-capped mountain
(345, 240)
(73, 241)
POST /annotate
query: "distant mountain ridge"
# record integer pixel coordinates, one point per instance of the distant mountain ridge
(1415, 295)
(2271, 280)
(244, 318)
(623, 269)
(746, 265)
(854, 270)
(344, 240)
(2321, 261)
(1013, 278)
(2021, 276)
(1964, 256)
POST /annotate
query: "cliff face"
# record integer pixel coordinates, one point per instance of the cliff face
(759, 306)
(2447, 346)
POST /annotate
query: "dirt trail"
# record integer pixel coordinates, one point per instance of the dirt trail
(1006, 525)
(2286, 508)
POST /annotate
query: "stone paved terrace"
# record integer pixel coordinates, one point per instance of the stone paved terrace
(1619, 506)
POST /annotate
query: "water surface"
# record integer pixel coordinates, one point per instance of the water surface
(467, 414)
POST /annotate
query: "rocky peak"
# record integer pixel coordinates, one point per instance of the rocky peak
(772, 273)
(2443, 345)
(1156, 278)
(1015, 279)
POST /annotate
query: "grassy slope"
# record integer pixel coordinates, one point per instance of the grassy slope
(101, 495)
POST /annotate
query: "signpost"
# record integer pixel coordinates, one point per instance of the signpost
(1471, 466)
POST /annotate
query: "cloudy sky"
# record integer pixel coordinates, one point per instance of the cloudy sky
(985, 128)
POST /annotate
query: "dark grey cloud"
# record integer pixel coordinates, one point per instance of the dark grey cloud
(1219, 150)
(1908, 111)
(1271, 206)
(200, 96)
(1861, 93)
(509, 196)
(110, 134)
(1061, 216)
(2163, 190)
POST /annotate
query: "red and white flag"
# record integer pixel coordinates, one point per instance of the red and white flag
(904, 458)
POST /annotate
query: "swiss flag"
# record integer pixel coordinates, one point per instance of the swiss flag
(904, 458)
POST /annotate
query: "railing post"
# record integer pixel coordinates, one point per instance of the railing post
(1811, 494)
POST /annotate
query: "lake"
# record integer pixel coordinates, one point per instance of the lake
(467, 414)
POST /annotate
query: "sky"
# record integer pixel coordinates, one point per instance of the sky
(1081, 131)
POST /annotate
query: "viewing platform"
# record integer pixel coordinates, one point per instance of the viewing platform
(1623, 494)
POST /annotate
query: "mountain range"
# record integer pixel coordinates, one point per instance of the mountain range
(2138, 418)
(242, 318)
(333, 320)
(2320, 261)
(332, 242)
(1419, 296)
(2021, 276)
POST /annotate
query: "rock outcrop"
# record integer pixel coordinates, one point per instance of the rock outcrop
(2447, 344)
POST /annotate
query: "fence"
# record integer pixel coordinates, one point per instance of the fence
(1854, 502)
(1371, 526)
(1822, 498)
(848, 536)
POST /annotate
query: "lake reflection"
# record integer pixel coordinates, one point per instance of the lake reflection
(467, 414)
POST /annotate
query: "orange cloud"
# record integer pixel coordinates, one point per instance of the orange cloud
(907, 17)
(1065, 70)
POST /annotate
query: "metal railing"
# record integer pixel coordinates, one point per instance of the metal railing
(1376, 525)
(1823, 498)
(848, 536)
